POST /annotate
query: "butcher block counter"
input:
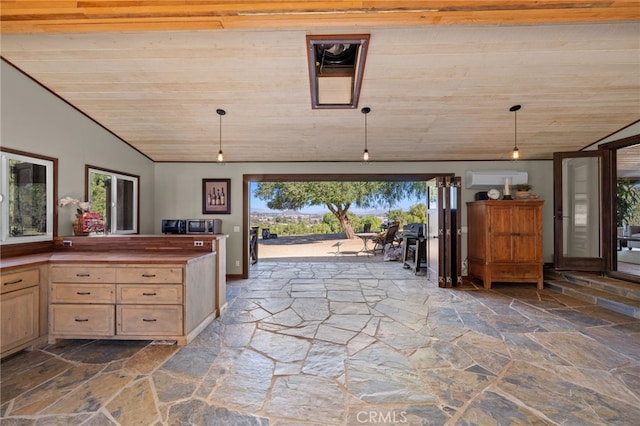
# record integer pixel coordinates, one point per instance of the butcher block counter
(114, 287)
(129, 257)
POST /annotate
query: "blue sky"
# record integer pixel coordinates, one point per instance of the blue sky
(257, 204)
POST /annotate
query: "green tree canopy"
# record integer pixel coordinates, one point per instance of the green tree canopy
(337, 196)
(416, 214)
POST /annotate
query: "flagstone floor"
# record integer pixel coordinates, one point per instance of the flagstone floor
(358, 343)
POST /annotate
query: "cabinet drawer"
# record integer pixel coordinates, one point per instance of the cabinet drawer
(152, 275)
(83, 293)
(82, 274)
(82, 320)
(501, 272)
(527, 271)
(149, 294)
(516, 272)
(18, 280)
(149, 320)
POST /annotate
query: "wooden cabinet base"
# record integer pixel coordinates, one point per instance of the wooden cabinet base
(180, 339)
(133, 301)
(509, 273)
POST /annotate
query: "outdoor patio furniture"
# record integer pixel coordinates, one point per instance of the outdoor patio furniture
(386, 238)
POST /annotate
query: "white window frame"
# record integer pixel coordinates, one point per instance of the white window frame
(5, 232)
(115, 176)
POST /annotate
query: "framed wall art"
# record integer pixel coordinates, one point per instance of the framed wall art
(216, 196)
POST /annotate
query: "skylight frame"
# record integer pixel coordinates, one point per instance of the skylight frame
(362, 43)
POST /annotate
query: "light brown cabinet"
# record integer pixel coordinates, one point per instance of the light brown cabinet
(505, 241)
(20, 310)
(132, 301)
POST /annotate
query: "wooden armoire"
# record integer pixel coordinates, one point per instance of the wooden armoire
(505, 241)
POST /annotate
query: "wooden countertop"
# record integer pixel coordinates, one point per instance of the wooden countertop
(21, 261)
(129, 257)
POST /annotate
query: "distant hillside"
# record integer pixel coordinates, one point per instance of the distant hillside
(267, 212)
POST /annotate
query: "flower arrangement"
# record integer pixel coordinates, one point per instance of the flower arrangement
(81, 206)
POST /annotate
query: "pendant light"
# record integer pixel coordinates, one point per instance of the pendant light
(516, 153)
(365, 153)
(220, 157)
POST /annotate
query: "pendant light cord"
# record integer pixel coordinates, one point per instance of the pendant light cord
(220, 158)
(365, 132)
(515, 128)
(365, 154)
(515, 153)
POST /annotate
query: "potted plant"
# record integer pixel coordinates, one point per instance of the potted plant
(627, 202)
(82, 207)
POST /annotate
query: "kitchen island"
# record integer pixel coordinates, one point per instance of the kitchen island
(113, 287)
(133, 296)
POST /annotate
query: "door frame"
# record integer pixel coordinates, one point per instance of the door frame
(609, 242)
(596, 264)
(279, 177)
(608, 154)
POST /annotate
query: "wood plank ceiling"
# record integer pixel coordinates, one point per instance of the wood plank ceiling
(440, 76)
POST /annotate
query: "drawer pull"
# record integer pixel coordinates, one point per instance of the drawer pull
(82, 319)
(149, 320)
(150, 294)
(14, 282)
(83, 275)
(149, 275)
(83, 293)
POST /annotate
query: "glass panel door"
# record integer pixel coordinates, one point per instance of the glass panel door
(627, 232)
(578, 215)
(444, 230)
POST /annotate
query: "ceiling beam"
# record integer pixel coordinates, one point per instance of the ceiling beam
(20, 16)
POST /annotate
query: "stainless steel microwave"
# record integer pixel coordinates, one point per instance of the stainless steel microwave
(199, 226)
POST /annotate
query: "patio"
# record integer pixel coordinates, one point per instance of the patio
(317, 248)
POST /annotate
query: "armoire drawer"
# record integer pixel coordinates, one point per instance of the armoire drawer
(515, 272)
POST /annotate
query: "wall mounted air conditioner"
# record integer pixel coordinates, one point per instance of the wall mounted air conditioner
(485, 179)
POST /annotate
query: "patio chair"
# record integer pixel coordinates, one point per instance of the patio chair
(386, 238)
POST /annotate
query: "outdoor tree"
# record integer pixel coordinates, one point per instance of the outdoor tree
(338, 197)
(416, 214)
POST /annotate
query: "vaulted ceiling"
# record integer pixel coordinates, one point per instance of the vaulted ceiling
(440, 76)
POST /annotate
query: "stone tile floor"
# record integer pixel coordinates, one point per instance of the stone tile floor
(329, 343)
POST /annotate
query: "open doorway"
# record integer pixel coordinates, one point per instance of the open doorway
(247, 179)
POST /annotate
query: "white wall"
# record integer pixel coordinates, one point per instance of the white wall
(179, 189)
(38, 122)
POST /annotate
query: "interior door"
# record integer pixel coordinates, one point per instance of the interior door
(578, 213)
